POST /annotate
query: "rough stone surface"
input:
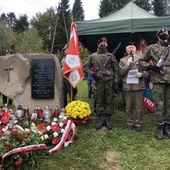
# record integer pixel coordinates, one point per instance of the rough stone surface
(18, 85)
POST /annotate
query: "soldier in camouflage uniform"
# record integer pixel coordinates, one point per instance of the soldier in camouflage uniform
(104, 81)
(133, 90)
(160, 77)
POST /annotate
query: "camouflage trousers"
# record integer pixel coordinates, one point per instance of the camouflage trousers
(161, 97)
(104, 98)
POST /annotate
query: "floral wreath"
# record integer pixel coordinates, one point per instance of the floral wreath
(26, 139)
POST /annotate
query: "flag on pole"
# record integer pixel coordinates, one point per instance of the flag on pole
(72, 68)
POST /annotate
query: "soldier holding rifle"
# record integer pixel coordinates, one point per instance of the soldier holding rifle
(105, 73)
(160, 77)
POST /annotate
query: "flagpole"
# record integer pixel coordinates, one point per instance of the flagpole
(71, 93)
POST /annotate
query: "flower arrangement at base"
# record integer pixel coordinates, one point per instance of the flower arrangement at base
(78, 111)
(19, 148)
(24, 141)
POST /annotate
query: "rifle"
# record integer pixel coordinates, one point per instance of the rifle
(163, 56)
(101, 71)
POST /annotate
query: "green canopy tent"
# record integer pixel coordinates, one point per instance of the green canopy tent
(127, 24)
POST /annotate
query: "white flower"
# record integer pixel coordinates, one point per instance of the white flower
(7, 132)
(5, 129)
(55, 134)
(55, 119)
(48, 128)
(62, 130)
(27, 130)
(33, 124)
(53, 123)
(61, 124)
(42, 138)
(64, 118)
(46, 136)
(16, 121)
(60, 116)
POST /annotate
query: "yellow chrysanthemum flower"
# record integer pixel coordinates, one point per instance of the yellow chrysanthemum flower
(78, 109)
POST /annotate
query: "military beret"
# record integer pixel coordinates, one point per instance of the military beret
(131, 43)
(103, 39)
(65, 47)
(162, 30)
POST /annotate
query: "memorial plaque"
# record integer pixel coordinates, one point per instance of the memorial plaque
(43, 73)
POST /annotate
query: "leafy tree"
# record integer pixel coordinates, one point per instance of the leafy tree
(84, 53)
(21, 24)
(45, 24)
(105, 8)
(11, 19)
(64, 20)
(3, 17)
(117, 4)
(167, 6)
(159, 7)
(111, 6)
(7, 39)
(77, 11)
(29, 42)
(144, 4)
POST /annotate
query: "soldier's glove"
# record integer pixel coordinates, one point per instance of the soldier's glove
(154, 68)
(138, 75)
(97, 78)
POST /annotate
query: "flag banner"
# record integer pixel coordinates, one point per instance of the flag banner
(72, 69)
(149, 104)
(72, 60)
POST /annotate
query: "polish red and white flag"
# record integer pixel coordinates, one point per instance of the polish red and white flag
(72, 68)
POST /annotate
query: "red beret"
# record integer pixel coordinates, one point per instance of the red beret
(103, 39)
(162, 30)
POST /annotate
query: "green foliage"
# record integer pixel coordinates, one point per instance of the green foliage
(105, 8)
(159, 7)
(77, 11)
(136, 150)
(29, 42)
(144, 4)
(21, 24)
(7, 38)
(63, 24)
(84, 53)
(11, 18)
(45, 23)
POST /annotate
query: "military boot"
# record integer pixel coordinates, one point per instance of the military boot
(107, 122)
(100, 122)
(167, 129)
(159, 133)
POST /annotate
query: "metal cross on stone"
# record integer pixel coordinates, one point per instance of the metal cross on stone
(8, 68)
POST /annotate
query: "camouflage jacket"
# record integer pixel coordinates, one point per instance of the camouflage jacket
(97, 60)
(124, 69)
(153, 53)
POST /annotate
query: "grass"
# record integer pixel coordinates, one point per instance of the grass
(116, 149)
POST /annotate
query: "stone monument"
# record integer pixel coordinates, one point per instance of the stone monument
(32, 80)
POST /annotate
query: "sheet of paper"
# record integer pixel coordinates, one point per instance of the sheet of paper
(131, 79)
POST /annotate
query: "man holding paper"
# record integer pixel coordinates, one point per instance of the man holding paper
(130, 68)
